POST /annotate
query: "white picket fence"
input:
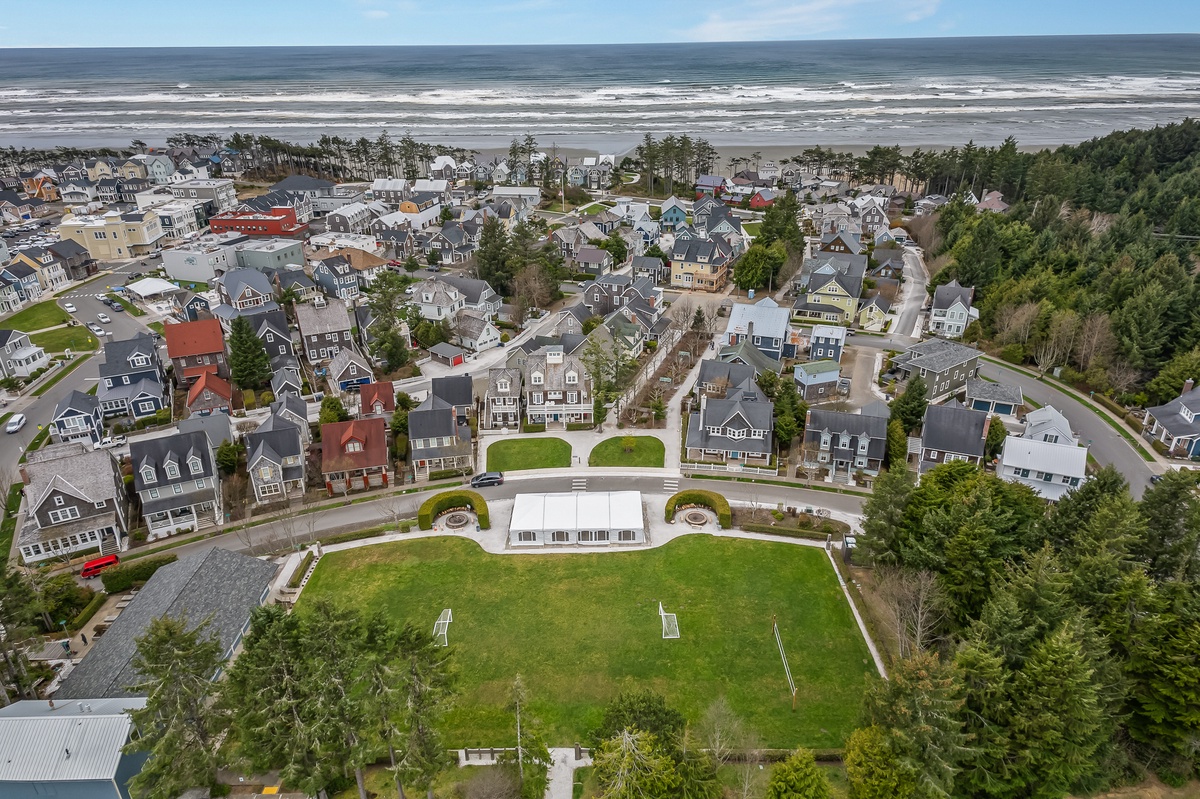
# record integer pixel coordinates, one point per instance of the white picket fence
(728, 467)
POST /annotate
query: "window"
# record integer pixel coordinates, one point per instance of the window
(194, 465)
(572, 397)
(177, 488)
(99, 505)
(148, 475)
(64, 515)
(1050, 438)
(527, 536)
(58, 500)
(933, 454)
(172, 470)
(561, 536)
(200, 484)
(536, 379)
(626, 535)
(354, 446)
(124, 380)
(153, 493)
(537, 398)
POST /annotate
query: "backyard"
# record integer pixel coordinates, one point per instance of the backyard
(36, 317)
(645, 451)
(515, 454)
(581, 627)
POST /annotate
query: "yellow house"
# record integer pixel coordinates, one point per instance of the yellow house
(113, 236)
(51, 273)
(700, 264)
(872, 314)
(830, 298)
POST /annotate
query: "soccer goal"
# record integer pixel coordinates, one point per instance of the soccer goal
(442, 626)
(786, 668)
(669, 622)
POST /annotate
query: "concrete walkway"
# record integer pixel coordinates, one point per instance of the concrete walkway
(562, 769)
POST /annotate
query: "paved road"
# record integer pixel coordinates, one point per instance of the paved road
(916, 279)
(1107, 446)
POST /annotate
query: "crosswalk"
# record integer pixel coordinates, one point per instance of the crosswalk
(670, 484)
(579, 484)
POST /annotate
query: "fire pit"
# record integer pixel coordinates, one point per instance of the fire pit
(456, 520)
(696, 518)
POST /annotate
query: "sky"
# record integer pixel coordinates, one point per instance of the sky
(93, 23)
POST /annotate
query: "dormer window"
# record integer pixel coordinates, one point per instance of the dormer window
(148, 475)
(503, 385)
(354, 446)
(536, 379)
(140, 360)
(195, 465)
(572, 378)
(172, 471)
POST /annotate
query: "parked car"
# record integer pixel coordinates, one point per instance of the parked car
(109, 441)
(116, 306)
(103, 317)
(95, 328)
(487, 479)
(17, 421)
(69, 307)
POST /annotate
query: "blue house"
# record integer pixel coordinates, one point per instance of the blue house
(673, 214)
(77, 417)
(765, 325)
(827, 342)
(193, 307)
(349, 370)
(132, 380)
(24, 278)
(336, 277)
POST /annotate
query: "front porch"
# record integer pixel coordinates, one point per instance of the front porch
(356, 480)
(42, 545)
(186, 519)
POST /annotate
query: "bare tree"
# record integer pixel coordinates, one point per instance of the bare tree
(1014, 324)
(1095, 342)
(722, 731)
(914, 607)
(1060, 340)
(750, 775)
(1122, 377)
(395, 509)
(713, 321)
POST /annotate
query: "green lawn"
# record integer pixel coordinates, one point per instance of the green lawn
(515, 454)
(579, 628)
(36, 317)
(126, 304)
(751, 228)
(157, 327)
(593, 209)
(647, 451)
(78, 339)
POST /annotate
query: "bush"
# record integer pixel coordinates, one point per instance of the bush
(357, 535)
(404, 527)
(124, 577)
(532, 428)
(400, 447)
(266, 398)
(445, 474)
(301, 570)
(1013, 353)
(249, 399)
(1159, 447)
(454, 499)
(711, 500)
(789, 532)
(576, 426)
(1116, 408)
(89, 610)
(504, 338)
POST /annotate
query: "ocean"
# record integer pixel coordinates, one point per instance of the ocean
(926, 92)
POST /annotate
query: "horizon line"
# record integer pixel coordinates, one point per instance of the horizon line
(932, 37)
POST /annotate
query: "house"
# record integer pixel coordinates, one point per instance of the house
(1050, 469)
(51, 271)
(842, 241)
(216, 427)
(717, 377)
(992, 201)
(827, 341)
(272, 330)
(845, 442)
(502, 401)
(829, 288)
(872, 313)
(392, 191)
(477, 295)
(439, 440)
(951, 310)
(39, 184)
(673, 214)
(611, 292)
(474, 331)
(651, 268)
(593, 260)
(1048, 424)
(889, 262)
(39, 738)
(994, 398)
(351, 218)
(210, 394)
(558, 388)
(18, 357)
(762, 199)
(324, 330)
(817, 381)
(701, 264)
(79, 192)
(711, 185)
(931, 204)
(376, 399)
(336, 278)
(75, 259)
(458, 391)
(74, 500)
(764, 324)
(295, 282)
(196, 348)
(348, 370)
(286, 381)
(744, 352)
(436, 299)
(952, 432)
(243, 292)
(25, 279)
(354, 455)
(132, 380)
(113, 235)
(275, 460)
(189, 307)
(77, 417)
(944, 366)
(216, 586)
(1174, 425)
(735, 428)
(10, 298)
(217, 194)
(176, 479)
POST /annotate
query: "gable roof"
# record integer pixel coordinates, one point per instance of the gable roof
(1033, 454)
(64, 744)
(155, 453)
(85, 404)
(201, 337)
(953, 428)
(370, 393)
(334, 437)
(209, 381)
(218, 585)
(945, 296)
(342, 361)
(301, 183)
(318, 319)
(993, 392)
(713, 371)
(751, 355)
(763, 318)
(936, 355)
(457, 390)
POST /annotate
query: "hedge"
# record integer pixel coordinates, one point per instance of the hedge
(89, 610)
(789, 532)
(532, 428)
(1116, 408)
(454, 499)
(446, 474)
(709, 499)
(123, 577)
(574, 426)
(357, 535)
(301, 570)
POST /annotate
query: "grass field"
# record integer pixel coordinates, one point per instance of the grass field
(78, 339)
(36, 317)
(752, 228)
(647, 451)
(514, 454)
(579, 628)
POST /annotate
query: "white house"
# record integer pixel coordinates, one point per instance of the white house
(437, 299)
(951, 310)
(1048, 424)
(1050, 469)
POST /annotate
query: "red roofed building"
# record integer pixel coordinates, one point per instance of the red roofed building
(196, 348)
(354, 455)
(279, 221)
(763, 198)
(210, 394)
(376, 399)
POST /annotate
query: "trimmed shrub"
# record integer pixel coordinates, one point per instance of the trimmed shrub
(357, 535)
(126, 576)
(439, 503)
(89, 610)
(445, 474)
(788, 532)
(301, 570)
(709, 499)
(574, 426)
(249, 399)
(532, 428)
(1114, 407)
(266, 398)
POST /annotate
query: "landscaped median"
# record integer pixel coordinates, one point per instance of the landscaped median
(708, 499)
(450, 500)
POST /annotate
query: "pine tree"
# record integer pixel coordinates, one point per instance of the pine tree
(491, 257)
(884, 531)
(986, 768)
(897, 446)
(798, 777)
(873, 769)
(995, 438)
(632, 765)
(909, 407)
(180, 727)
(1172, 531)
(228, 455)
(249, 364)
(332, 411)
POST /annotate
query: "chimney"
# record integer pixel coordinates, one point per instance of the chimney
(1187, 386)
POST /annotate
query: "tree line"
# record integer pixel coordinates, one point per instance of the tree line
(1038, 652)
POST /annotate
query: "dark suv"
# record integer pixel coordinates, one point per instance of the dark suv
(487, 479)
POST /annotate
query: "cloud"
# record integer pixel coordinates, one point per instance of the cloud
(787, 19)
(376, 13)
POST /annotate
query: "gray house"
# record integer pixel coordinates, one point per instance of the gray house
(275, 460)
(336, 277)
(176, 479)
(945, 366)
(736, 428)
(953, 433)
(845, 442)
(324, 330)
(438, 439)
